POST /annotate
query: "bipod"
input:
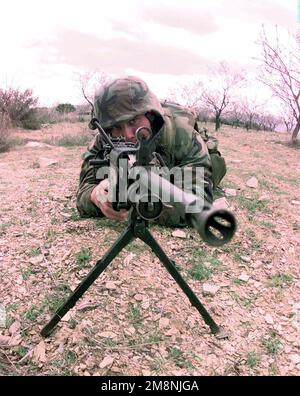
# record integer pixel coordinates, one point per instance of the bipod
(137, 228)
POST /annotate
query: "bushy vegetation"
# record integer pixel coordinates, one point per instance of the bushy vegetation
(65, 108)
(50, 115)
(20, 107)
(261, 122)
(5, 140)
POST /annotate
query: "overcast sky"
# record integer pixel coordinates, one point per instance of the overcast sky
(46, 45)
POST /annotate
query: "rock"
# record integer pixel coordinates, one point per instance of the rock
(61, 348)
(138, 297)
(236, 161)
(246, 259)
(257, 285)
(264, 197)
(257, 263)
(179, 234)
(15, 340)
(252, 182)
(244, 277)
(296, 306)
(108, 334)
(107, 361)
(45, 162)
(37, 145)
(230, 192)
(36, 259)
(110, 285)
(221, 203)
(174, 246)
(295, 202)
(295, 358)
(131, 330)
(14, 328)
(295, 325)
(163, 322)
(39, 353)
(269, 319)
(172, 331)
(145, 305)
(209, 290)
(69, 315)
(4, 340)
(129, 258)
(290, 338)
(66, 216)
(287, 349)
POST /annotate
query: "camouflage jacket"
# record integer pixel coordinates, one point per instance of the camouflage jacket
(179, 143)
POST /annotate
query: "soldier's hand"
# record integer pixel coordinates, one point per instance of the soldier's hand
(99, 197)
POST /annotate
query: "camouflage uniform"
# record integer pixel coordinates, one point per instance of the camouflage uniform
(217, 161)
(174, 137)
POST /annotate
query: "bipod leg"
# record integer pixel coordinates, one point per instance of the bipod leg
(99, 267)
(145, 235)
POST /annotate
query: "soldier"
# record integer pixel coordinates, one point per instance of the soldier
(122, 106)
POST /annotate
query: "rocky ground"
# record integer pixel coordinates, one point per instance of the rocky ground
(135, 320)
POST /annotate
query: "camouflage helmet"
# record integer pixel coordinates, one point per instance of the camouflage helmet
(122, 99)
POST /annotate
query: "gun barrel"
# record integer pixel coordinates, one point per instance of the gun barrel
(215, 226)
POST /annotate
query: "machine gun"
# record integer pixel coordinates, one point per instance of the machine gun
(215, 226)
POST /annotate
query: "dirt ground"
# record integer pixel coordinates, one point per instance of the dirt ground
(135, 320)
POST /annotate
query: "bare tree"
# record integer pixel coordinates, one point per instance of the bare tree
(266, 121)
(204, 114)
(220, 88)
(250, 108)
(187, 94)
(287, 118)
(235, 114)
(281, 72)
(89, 82)
(271, 122)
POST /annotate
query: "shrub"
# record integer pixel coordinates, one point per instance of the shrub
(5, 140)
(31, 121)
(48, 115)
(65, 108)
(19, 107)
